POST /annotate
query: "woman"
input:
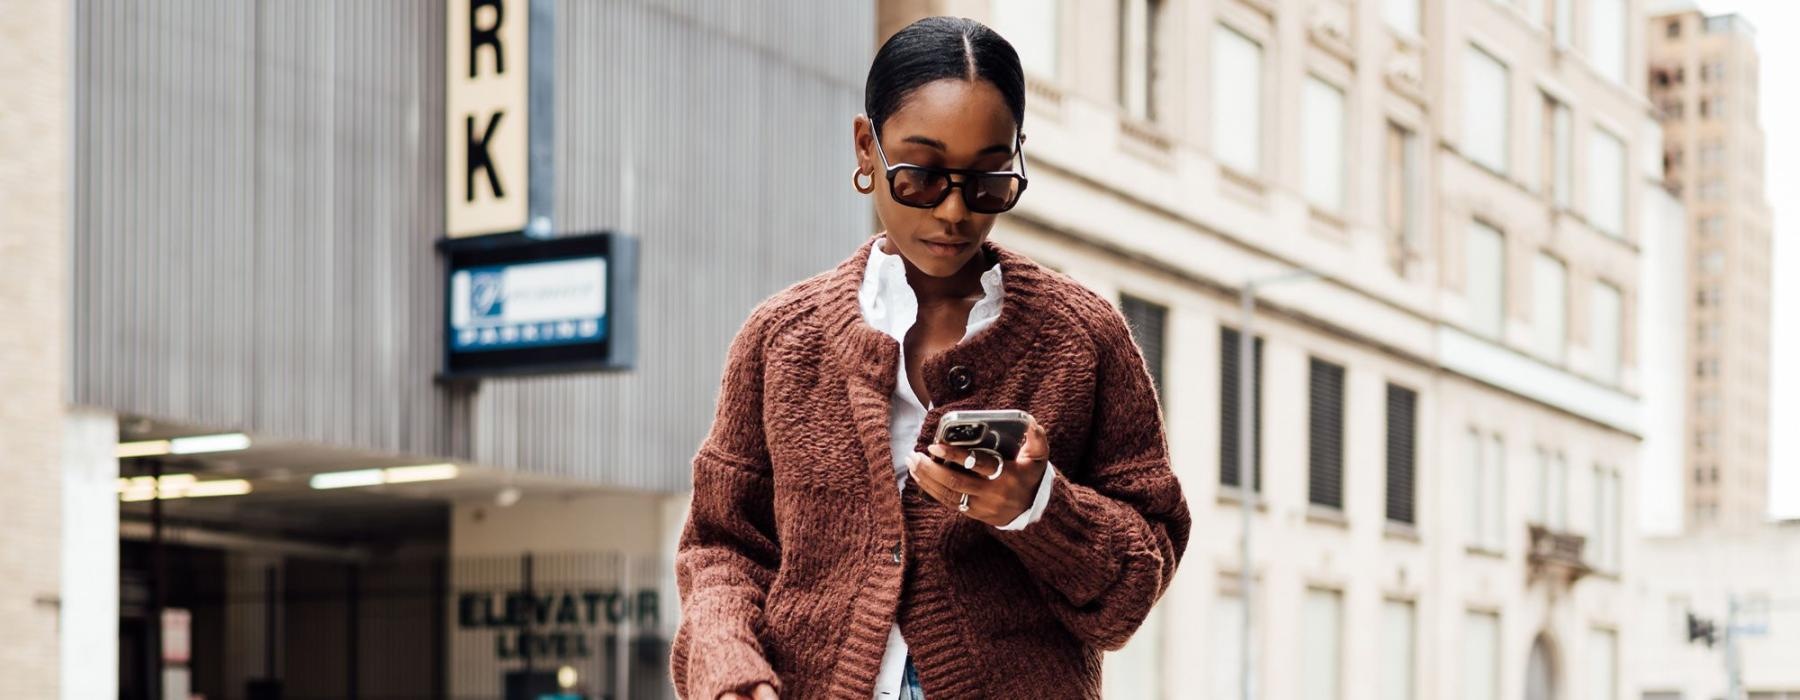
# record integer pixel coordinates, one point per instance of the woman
(803, 571)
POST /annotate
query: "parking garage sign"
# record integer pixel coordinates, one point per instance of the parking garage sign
(516, 304)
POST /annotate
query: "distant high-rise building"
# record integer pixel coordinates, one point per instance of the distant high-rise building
(1703, 81)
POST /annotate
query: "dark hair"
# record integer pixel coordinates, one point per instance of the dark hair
(936, 48)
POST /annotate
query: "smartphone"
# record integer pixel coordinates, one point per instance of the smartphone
(999, 432)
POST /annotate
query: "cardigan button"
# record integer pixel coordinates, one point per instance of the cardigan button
(896, 552)
(962, 380)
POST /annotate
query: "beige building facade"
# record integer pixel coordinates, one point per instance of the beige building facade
(1703, 80)
(1447, 417)
(34, 211)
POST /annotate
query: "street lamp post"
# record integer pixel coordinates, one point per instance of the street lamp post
(1247, 462)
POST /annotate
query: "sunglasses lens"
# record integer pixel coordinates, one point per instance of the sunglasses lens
(918, 187)
(992, 194)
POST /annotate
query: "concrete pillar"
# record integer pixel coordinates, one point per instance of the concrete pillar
(90, 554)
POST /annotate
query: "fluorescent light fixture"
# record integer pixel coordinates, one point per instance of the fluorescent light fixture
(221, 487)
(144, 488)
(196, 444)
(145, 448)
(341, 480)
(423, 472)
(390, 475)
(174, 483)
(141, 488)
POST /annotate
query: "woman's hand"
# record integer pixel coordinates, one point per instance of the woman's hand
(996, 502)
(763, 692)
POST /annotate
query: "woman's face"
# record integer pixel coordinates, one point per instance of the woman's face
(948, 124)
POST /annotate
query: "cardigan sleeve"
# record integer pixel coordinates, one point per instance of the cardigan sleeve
(1113, 532)
(728, 551)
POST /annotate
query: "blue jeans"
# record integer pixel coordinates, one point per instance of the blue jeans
(909, 686)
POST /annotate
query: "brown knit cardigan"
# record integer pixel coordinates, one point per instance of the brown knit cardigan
(799, 553)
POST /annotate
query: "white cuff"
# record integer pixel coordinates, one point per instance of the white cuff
(1038, 503)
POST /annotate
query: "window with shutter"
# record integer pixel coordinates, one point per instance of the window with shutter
(1147, 320)
(1228, 408)
(1402, 405)
(1325, 431)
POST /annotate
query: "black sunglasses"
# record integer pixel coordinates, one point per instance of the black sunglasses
(983, 191)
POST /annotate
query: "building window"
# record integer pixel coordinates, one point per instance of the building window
(1402, 453)
(1606, 519)
(1712, 107)
(1481, 657)
(1132, 672)
(1486, 108)
(1147, 320)
(1712, 262)
(1606, 318)
(1402, 16)
(1400, 203)
(1559, 153)
(1549, 306)
(1485, 279)
(1603, 664)
(1607, 31)
(1398, 649)
(1228, 408)
(1706, 368)
(1606, 189)
(1322, 143)
(1711, 227)
(1321, 642)
(1325, 435)
(1562, 20)
(1227, 645)
(1673, 30)
(1705, 513)
(1485, 485)
(1712, 71)
(1237, 101)
(1551, 506)
(1712, 154)
(1031, 27)
(1708, 297)
(1139, 38)
(1708, 332)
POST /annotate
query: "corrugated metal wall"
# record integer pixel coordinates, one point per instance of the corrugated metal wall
(259, 186)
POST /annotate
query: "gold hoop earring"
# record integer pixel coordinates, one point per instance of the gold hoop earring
(856, 181)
